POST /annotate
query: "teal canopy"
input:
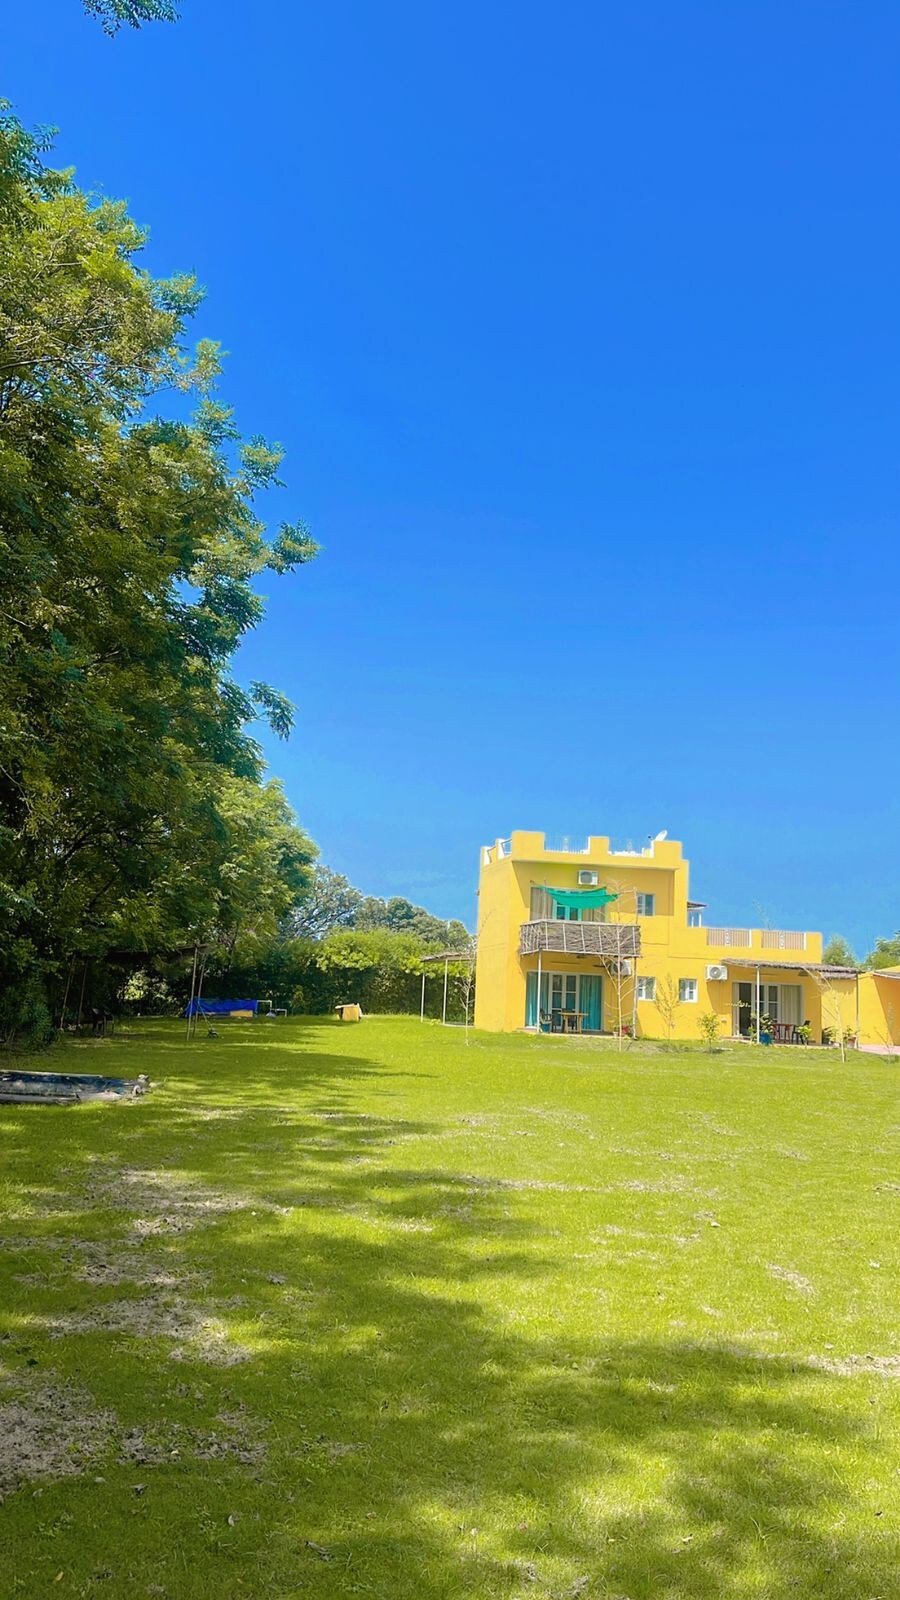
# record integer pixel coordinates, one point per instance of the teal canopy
(571, 899)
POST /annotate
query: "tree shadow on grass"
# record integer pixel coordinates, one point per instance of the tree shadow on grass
(422, 1440)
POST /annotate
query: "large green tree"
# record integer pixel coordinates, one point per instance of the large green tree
(129, 551)
(885, 953)
(838, 953)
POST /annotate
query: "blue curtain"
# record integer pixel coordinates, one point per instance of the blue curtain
(590, 1002)
(531, 1016)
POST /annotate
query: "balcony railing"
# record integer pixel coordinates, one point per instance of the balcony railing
(743, 938)
(778, 939)
(609, 941)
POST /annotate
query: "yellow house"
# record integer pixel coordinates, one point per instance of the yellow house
(591, 939)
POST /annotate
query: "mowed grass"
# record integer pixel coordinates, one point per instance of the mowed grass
(371, 1311)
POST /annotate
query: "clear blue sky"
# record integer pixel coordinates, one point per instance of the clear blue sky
(580, 325)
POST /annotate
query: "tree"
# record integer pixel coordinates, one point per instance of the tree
(621, 914)
(265, 871)
(837, 953)
(398, 915)
(112, 13)
(885, 953)
(330, 902)
(129, 553)
(835, 1028)
(667, 999)
(710, 1023)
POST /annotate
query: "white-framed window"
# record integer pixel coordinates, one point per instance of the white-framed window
(646, 905)
(695, 917)
(687, 991)
(646, 988)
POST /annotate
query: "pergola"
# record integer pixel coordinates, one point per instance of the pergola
(819, 971)
(446, 956)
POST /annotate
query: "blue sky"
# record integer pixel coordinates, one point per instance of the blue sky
(580, 326)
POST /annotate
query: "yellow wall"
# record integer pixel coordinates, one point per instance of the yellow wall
(879, 1008)
(669, 948)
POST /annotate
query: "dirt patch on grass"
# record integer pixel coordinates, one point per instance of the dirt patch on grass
(788, 1275)
(104, 1262)
(237, 1436)
(47, 1430)
(197, 1334)
(856, 1366)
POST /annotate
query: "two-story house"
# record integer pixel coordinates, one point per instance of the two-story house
(596, 940)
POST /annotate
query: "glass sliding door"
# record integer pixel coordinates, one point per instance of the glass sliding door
(564, 993)
(780, 1002)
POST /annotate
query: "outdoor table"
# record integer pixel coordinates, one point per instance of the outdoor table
(572, 1020)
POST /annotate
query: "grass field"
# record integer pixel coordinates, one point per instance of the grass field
(368, 1311)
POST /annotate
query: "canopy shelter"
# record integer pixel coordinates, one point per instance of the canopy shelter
(446, 956)
(572, 899)
(221, 1008)
(819, 971)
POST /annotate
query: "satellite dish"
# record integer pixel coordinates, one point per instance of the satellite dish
(658, 837)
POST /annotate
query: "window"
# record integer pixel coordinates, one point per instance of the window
(646, 904)
(687, 990)
(646, 988)
(695, 918)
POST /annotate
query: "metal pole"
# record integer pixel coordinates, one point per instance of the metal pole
(81, 996)
(200, 986)
(193, 982)
(62, 1017)
(422, 1010)
(444, 1015)
(757, 1006)
(537, 999)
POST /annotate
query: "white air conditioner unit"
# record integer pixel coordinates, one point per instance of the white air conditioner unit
(716, 974)
(586, 877)
(623, 968)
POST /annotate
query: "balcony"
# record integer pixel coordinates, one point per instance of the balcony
(606, 941)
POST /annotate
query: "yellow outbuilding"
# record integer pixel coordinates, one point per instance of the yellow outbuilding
(594, 940)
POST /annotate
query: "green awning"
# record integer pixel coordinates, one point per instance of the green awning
(571, 899)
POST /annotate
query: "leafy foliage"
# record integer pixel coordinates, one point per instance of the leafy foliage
(129, 549)
(885, 953)
(113, 13)
(837, 953)
(330, 902)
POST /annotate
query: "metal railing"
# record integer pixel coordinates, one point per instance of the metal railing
(742, 938)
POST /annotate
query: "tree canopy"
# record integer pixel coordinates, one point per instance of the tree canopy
(113, 13)
(837, 953)
(129, 550)
(884, 953)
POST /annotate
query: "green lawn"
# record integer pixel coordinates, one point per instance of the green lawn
(368, 1311)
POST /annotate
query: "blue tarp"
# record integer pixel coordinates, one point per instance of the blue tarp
(218, 1008)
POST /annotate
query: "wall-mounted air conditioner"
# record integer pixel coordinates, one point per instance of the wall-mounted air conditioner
(623, 968)
(585, 877)
(716, 973)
